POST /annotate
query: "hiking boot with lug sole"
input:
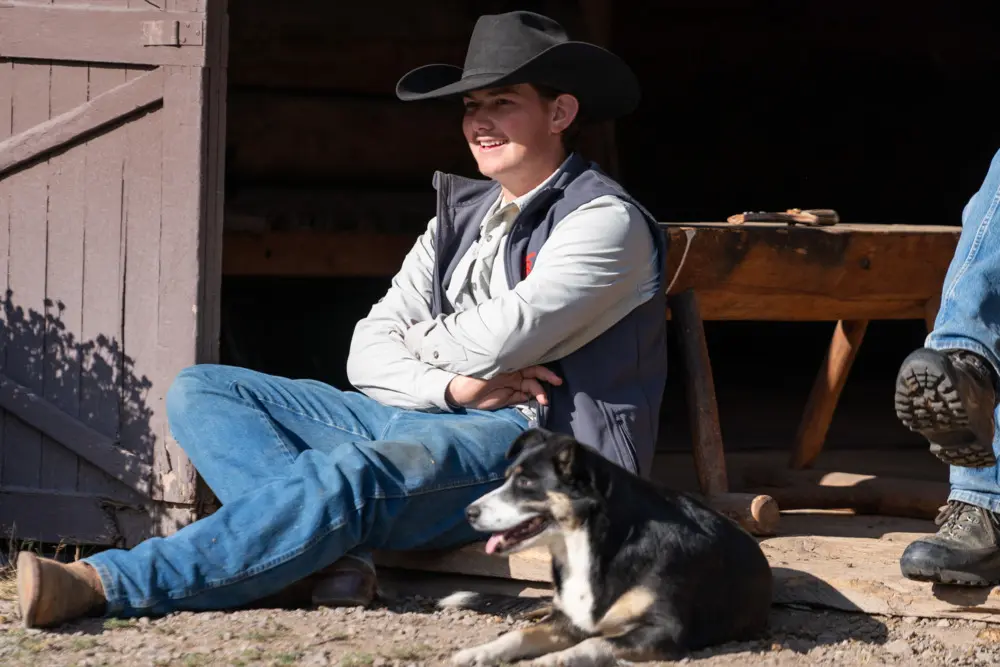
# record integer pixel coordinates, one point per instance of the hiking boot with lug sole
(964, 551)
(949, 398)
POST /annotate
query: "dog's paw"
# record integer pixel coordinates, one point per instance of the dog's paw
(477, 655)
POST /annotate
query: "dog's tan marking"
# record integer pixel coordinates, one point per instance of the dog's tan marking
(624, 614)
(561, 508)
(517, 470)
(516, 645)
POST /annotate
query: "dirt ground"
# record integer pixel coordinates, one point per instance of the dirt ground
(411, 631)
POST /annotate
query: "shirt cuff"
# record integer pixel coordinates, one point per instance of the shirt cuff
(433, 387)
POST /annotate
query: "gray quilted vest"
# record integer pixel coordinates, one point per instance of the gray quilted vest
(613, 386)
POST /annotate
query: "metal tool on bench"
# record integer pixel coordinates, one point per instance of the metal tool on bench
(811, 217)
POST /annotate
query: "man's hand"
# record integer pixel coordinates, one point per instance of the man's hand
(501, 391)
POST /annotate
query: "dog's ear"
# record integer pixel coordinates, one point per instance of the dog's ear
(565, 455)
(533, 437)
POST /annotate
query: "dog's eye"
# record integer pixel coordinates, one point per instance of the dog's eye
(523, 482)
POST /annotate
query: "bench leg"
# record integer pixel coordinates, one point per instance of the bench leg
(709, 457)
(826, 391)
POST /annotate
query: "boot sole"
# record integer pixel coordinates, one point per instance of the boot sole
(927, 402)
(951, 578)
(29, 575)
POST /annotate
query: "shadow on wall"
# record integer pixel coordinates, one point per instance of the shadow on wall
(77, 436)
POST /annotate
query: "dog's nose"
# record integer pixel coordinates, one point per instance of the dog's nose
(472, 512)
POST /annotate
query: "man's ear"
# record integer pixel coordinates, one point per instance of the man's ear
(564, 111)
(533, 437)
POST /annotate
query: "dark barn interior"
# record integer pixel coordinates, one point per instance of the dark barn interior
(873, 109)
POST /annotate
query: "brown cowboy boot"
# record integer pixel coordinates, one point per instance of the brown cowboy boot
(349, 582)
(51, 593)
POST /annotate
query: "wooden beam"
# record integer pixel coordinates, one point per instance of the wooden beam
(106, 108)
(756, 271)
(79, 438)
(99, 35)
(863, 494)
(825, 393)
(709, 457)
(768, 271)
(54, 517)
(310, 138)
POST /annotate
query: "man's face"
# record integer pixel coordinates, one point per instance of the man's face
(509, 127)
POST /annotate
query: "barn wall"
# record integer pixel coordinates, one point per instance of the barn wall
(869, 109)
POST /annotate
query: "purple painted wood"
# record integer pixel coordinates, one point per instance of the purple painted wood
(115, 302)
(6, 106)
(64, 276)
(100, 386)
(27, 250)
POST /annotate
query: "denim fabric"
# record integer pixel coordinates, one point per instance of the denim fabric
(969, 317)
(306, 474)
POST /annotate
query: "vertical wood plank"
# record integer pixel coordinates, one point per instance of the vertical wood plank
(211, 294)
(6, 105)
(64, 278)
(27, 190)
(142, 391)
(185, 153)
(100, 387)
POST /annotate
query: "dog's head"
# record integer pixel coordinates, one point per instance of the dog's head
(539, 499)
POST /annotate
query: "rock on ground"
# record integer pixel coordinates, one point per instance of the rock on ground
(412, 632)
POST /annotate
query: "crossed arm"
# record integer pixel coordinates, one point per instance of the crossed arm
(597, 265)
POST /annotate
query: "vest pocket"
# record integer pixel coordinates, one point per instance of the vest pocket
(629, 447)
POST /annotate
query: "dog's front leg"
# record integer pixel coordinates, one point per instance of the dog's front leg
(593, 652)
(516, 645)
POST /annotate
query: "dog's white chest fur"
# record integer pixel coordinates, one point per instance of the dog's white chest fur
(575, 597)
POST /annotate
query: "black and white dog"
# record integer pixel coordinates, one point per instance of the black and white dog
(638, 573)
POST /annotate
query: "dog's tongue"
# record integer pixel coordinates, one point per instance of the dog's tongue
(491, 544)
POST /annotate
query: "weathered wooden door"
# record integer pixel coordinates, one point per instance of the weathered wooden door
(112, 119)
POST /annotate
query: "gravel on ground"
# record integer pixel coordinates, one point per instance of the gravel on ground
(412, 631)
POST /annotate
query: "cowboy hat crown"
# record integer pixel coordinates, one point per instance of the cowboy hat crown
(525, 47)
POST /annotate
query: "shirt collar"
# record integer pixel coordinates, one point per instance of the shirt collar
(522, 201)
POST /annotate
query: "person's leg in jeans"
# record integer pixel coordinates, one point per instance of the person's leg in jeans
(222, 418)
(401, 480)
(947, 391)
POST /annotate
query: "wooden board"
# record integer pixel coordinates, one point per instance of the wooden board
(824, 560)
(295, 138)
(748, 272)
(290, 46)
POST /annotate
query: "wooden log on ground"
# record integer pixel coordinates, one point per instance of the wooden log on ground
(709, 456)
(830, 381)
(864, 494)
(758, 514)
(757, 271)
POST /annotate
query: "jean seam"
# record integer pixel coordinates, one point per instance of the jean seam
(250, 572)
(300, 413)
(976, 244)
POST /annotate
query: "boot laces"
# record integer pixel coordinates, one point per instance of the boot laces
(958, 517)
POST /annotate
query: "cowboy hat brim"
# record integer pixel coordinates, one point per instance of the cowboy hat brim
(604, 85)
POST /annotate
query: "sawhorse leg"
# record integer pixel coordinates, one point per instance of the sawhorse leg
(757, 513)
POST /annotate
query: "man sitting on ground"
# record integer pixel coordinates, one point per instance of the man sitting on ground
(535, 297)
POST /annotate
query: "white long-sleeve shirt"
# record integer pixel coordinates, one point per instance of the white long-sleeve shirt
(596, 266)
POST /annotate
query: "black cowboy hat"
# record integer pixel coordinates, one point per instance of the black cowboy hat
(525, 47)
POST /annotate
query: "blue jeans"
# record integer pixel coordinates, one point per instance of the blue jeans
(969, 317)
(306, 474)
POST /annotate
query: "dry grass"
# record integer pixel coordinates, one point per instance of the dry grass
(8, 575)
